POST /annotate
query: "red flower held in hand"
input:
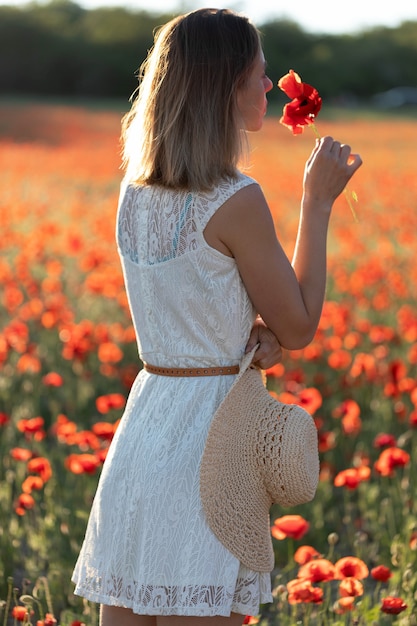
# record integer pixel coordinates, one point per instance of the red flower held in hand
(302, 111)
(304, 106)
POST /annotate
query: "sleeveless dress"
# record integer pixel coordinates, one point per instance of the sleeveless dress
(147, 545)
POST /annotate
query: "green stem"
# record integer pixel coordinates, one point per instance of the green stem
(8, 600)
(316, 132)
(350, 196)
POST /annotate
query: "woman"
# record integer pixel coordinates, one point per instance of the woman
(201, 260)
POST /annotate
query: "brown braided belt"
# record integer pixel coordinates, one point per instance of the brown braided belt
(226, 370)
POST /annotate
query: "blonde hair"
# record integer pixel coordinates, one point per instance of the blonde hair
(183, 129)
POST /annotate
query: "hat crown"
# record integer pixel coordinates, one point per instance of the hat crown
(287, 453)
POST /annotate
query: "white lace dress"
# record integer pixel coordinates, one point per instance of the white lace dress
(147, 545)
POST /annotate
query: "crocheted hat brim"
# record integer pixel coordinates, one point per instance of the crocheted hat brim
(258, 452)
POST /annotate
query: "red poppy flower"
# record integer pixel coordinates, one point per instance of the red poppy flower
(350, 567)
(351, 424)
(301, 590)
(78, 340)
(304, 554)
(48, 621)
(339, 359)
(20, 613)
(327, 441)
(310, 399)
(350, 588)
(317, 571)
(21, 454)
(29, 362)
(31, 426)
(276, 371)
(24, 502)
(82, 463)
(110, 401)
(109, 352)
(389, 459)
(381, 573)
(104, 430)
(85, 440)
(384, 440)
(31, 483)
(364, 363)
(304, 106)
(349, 411)
(53, 380)
(392, 605)
(40, 465)
(64, 429)
(4, 419)
(293, 526)
(344, 604)
(347, 407)
(352, 477)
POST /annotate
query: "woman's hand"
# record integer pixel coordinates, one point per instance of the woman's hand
(327, 171)
(269, 352)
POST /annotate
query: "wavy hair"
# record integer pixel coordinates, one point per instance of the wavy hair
(183, 129)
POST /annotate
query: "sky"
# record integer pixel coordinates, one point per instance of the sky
(317, 16)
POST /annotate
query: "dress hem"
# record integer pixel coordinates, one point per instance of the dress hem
(194, 611)
(142, 610)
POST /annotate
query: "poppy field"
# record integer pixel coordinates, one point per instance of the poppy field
(68, 358)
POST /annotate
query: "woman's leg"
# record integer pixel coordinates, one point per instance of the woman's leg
(178, 620)
(118, 616)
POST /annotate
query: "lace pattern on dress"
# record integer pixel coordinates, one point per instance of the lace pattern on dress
(196, 600)
(173, 220)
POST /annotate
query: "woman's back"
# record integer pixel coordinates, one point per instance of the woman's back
(188, 303)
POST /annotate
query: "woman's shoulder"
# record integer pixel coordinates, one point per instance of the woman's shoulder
(226, 188)
(207, 203)
(241, 180)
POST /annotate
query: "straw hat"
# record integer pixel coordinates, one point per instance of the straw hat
(258, 452)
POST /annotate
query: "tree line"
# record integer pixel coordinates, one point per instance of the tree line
(62, 49)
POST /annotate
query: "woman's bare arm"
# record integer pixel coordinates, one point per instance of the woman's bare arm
(288, 295)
